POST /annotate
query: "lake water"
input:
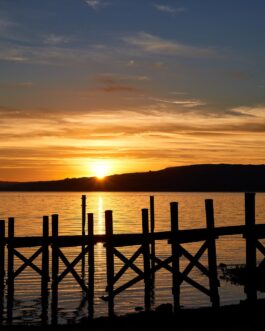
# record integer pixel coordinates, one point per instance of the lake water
(28, 209)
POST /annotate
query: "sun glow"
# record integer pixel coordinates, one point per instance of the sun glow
(100, 169)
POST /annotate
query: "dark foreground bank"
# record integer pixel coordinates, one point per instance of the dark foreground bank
(232, 318)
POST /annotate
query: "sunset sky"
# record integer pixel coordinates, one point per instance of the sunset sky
(129, 85)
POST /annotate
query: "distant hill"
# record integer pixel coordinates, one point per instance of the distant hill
(6, 184)
(196, 178)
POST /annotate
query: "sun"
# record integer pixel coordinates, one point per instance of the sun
(100, 169)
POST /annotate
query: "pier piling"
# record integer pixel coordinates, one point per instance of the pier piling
(152, 231)
(175, 251)
(109, 260)
(55, 269)
(212, 264)
(251, 260)
(45, 270)
(83, 233)
(10, 268)
(146, 259)
(91, 265)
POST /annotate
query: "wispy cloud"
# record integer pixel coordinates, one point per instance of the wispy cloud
(118, 88)
(118, 83)
(169, 9)
(55, 40)
(13, 55)
(52, 54)
(95, 4)
(5, 24)
(255, 111)
(187, 103)
(153, 44)
(113, 78)
(239, 75)
(16, 85)
(39, 138)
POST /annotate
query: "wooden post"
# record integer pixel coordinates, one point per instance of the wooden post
(55, 269)
(152, 230)
(250, 288)
(10, 269)
(45, 270)
(146, 258)
(2, 267)
(110, 259)
(45, 255)
(83, 232)
(91, 265)
(212, 264)
(175, 255)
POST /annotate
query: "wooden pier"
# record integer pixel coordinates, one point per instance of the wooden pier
(49, 247)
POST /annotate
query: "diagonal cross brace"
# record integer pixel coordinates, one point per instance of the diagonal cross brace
(27, 262)
(165, 264)
(260, 247)
(161, 264)
(72, 264)
(72, 270)
(182, 275)
(137, 279)
(194, 260)
(197, 285)
(128, 263)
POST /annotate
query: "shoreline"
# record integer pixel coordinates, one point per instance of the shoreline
(239, 317)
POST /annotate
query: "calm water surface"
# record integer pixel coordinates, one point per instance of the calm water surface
(28, 209)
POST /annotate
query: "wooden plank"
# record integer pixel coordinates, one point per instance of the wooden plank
(119, 240)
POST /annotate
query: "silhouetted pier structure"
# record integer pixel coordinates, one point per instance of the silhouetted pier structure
(49, 247)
